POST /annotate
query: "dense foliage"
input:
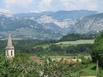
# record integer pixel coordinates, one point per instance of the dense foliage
(97, 53)
(70, 49)
(72, 37)
(24, 66)
(46, 47)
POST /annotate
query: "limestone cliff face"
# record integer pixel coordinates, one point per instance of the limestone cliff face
(50, 25)
(89, 24)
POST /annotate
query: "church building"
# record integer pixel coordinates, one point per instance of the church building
(9, 52)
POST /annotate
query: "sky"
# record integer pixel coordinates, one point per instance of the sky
(25, 6)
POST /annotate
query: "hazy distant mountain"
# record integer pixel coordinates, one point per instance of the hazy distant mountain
(25, 28)
(46, 25)
(61, 15)
(64, 19)
(90, 24)
(61, 18)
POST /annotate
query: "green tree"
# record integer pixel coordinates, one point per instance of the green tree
(97, 52)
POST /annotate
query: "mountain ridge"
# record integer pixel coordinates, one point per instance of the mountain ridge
(46, 25)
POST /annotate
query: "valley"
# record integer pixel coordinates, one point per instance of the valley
(51, 38)
(51, 54)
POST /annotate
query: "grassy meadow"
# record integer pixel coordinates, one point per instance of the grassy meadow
(77, 42)
(68, 43)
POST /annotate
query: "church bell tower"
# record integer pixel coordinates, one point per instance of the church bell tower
(9, 48)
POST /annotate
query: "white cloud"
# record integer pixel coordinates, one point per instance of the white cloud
(51, 5)
(5, 11)
(78, 4)
(45, 5)
(22, 3)
(10, 1)
(17, 4)
(18, 1)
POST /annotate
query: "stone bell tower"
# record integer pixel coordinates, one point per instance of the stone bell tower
(10, 48)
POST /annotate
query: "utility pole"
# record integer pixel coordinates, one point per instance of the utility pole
(97, 68)
(78, 75)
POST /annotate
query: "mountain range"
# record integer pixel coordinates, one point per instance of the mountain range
(50, 25)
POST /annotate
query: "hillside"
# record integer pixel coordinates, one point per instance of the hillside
(74, 36)
(25, 28)
(45, 25)
(90, 24)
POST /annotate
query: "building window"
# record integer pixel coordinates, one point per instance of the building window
(11, 53)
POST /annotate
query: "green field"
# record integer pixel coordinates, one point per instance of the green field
(68, 43)
(76, 42)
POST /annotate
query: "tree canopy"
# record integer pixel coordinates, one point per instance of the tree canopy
(97, 51)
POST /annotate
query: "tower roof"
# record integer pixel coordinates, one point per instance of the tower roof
(9, 43)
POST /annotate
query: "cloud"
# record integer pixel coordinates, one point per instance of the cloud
(80, 4)
(45, 5)
(100, 5)
(18, 1)
(5, 11)
(17, 4)
(11, 3)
